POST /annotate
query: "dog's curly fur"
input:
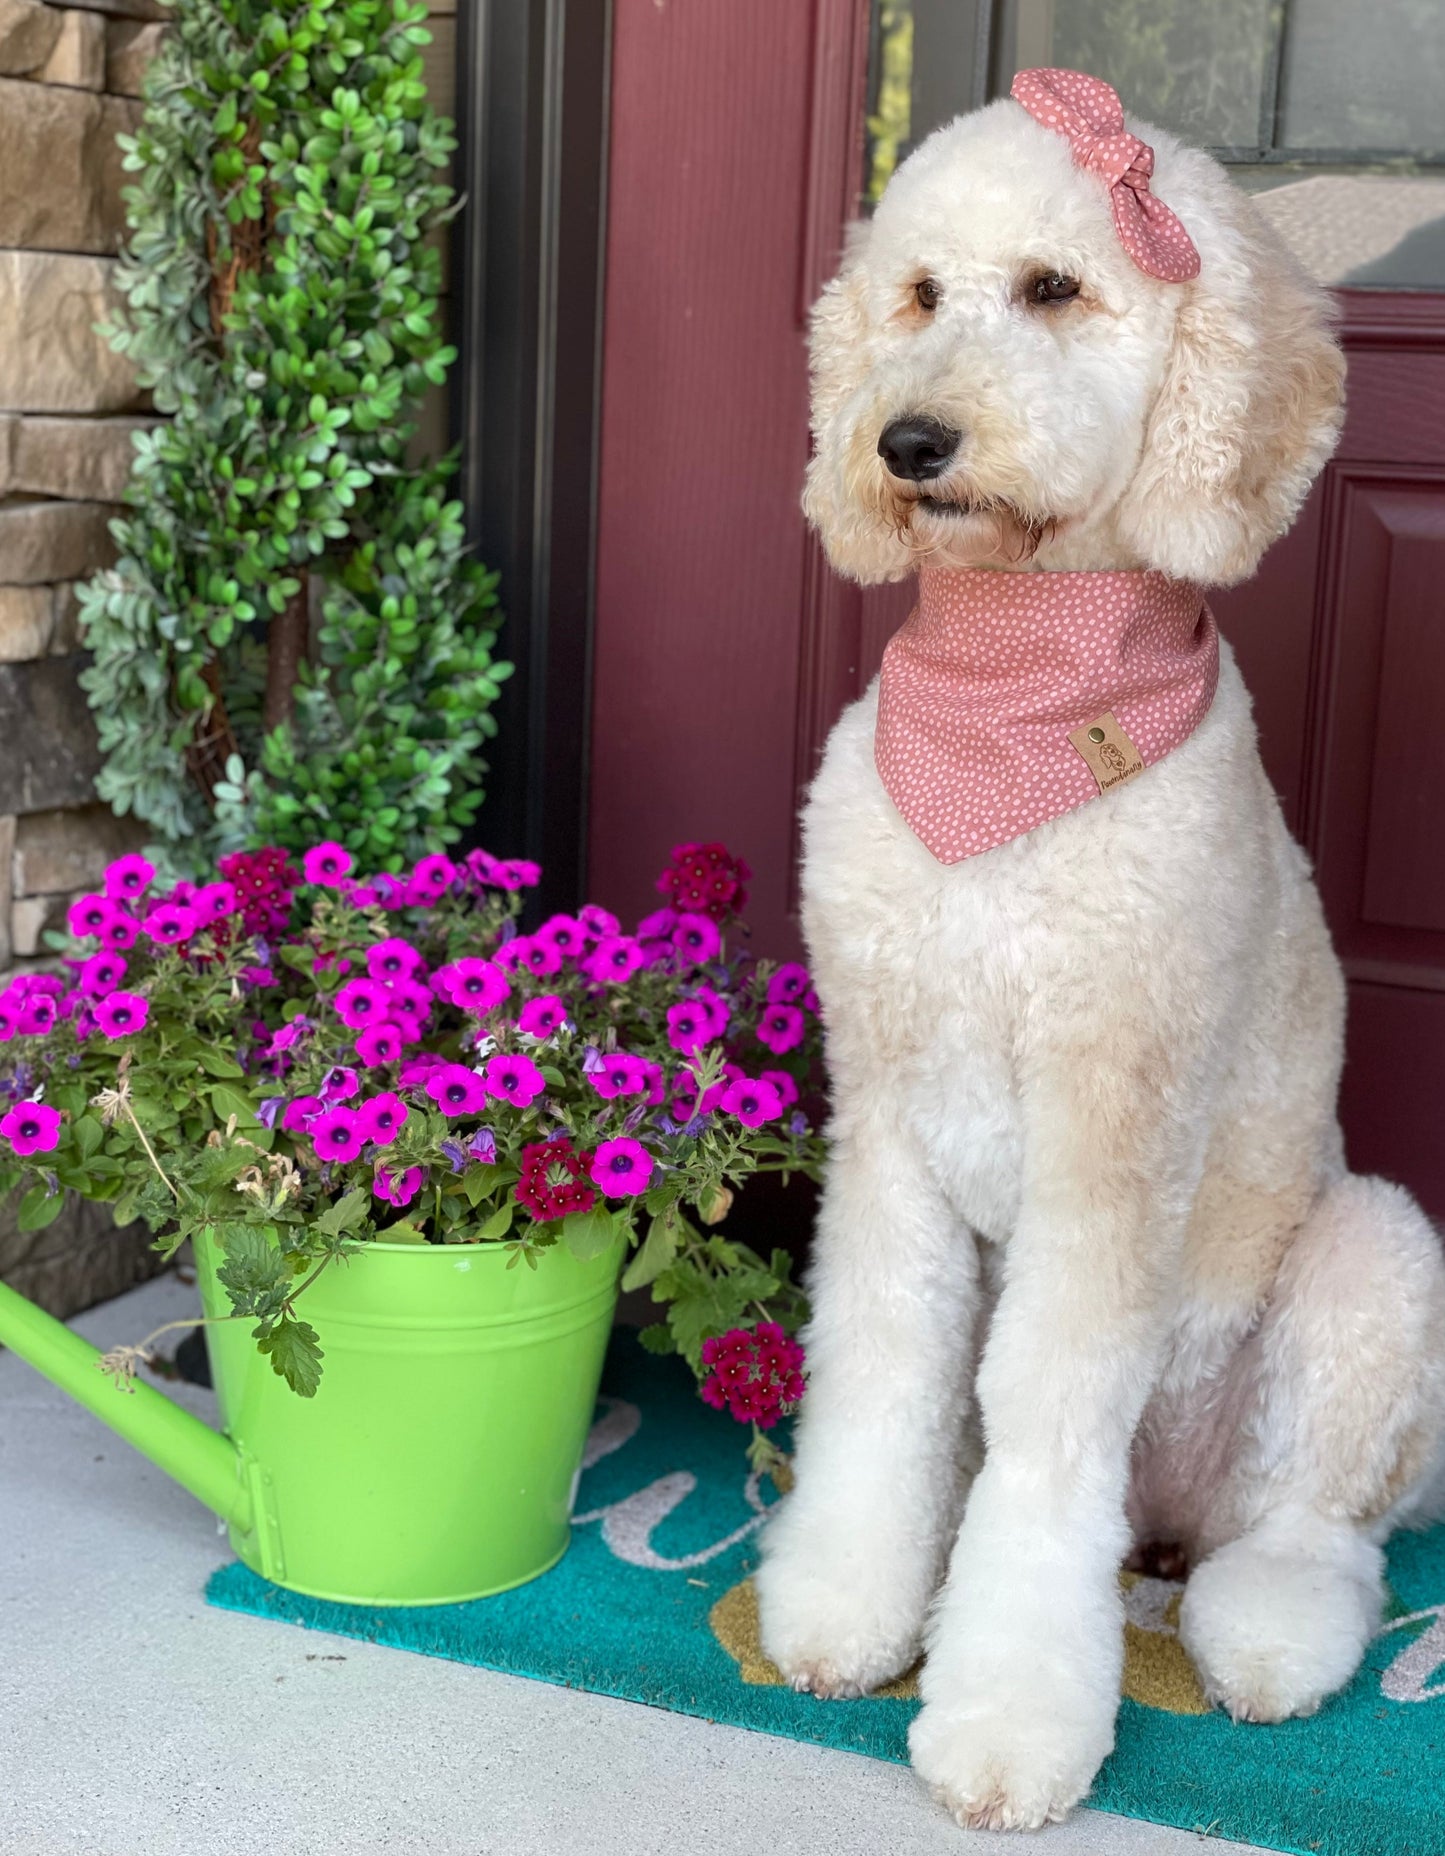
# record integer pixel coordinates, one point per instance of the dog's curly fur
(1090, 1268)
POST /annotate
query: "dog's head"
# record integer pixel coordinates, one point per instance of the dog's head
(996, 382)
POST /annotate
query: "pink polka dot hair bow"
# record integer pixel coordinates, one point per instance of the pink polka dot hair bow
(1089, 113)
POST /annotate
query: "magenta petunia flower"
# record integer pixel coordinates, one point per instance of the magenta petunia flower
(38, 1013)
(337, 1134)
(432, 876)
(328, 864)
(339, 1084)
(540, 1017)
(620, 1074)
(361, 1003)
(120, 1014)
(566, 933)
(598, 922)
(213, 902)
(89, 915)
(752, 1100)
(32, 1128)
(540, 957)
(101, 974)
(170, 923)
(398, 1188)
(780, 1028)
(379, 1044)
(719, 1012)
(696, 938)
(473, 985)
(455, 1089)
(656, 930)
(380, 1117)
(300, 1113)
(120, 931)
(689, 1025)
(417, 1069)
(409, 999)
(128, 877)
(787, 1089)
(621, 1167)
(789, 984)
(516, 873)
(393, 959)
(615, 959)
(514, 1079)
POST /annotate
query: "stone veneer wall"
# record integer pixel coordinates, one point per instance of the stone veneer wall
(69, 79)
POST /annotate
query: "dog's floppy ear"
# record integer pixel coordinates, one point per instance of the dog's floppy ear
(1250, 407)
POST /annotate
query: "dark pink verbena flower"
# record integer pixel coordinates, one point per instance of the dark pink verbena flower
(553, 1180)
(755, 1374)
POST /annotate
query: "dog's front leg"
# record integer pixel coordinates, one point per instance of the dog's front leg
(857, 1549)
(1025, 1647)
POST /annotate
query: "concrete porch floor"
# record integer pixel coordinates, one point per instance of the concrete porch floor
(137, 1721)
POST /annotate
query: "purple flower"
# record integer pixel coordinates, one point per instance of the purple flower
(689, 1025)
(398, 1188)
(269, 1109)
(328, 864)
(483, 1146)
(696, 938)
(361, 1003)
(514, 1079)
(393, 959)
(213, 902)
(121, 1013)
(539, 1018)
(381, 1117)
(615, 959)
(128, 877)
(621, 1074)
(621, 1167)
(598, 922)
(90, 915)
(798, 1123)
(32, 1128)
(472, 985)
(789, 984)
(455, 1089)
(300, 1112)
(338, 1134)
(455, 1155)
(780, 1028)
(752, 1101)
(379, 1044)
(170, 923)
(339, 1084)
(289, 1035)
(565, 932)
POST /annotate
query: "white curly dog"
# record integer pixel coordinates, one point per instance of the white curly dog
(1090, 1271)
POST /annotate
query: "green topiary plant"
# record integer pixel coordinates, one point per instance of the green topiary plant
(294, 642)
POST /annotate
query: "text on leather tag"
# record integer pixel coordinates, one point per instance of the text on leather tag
(1111, 756)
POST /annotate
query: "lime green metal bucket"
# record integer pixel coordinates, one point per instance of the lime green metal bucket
(439, 1458)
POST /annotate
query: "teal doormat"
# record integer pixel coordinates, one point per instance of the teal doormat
(652, 1604)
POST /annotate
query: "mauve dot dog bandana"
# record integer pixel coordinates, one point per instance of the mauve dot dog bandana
(1010, 698)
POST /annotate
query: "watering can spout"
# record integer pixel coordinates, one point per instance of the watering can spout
(197, 1457)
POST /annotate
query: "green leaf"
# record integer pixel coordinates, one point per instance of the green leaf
(657, 1338)
(294, 1354)
(498, 1224)
(39, 1208)
(589, 1234)
(346, 1214)
(217, 1063)
(402, 1232)
(656, 1254)
(88, 1135)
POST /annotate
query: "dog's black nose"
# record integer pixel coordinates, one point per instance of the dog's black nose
(917, 448)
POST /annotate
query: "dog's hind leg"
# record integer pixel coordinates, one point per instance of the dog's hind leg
(1343, 1441)
(856, 1551)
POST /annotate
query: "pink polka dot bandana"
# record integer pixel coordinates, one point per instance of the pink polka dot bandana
(1089, 113)
(995, 692)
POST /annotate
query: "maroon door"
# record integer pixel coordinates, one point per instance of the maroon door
(725, 647)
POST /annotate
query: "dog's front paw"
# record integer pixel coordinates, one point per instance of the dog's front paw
(1009, 1764)
(834, 1632)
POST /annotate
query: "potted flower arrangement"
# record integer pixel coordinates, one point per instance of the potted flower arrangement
(381, 1112)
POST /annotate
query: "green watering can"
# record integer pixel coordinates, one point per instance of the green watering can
(438, 1460)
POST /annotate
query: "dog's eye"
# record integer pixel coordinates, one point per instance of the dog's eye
(1053, 287)
(928, 294)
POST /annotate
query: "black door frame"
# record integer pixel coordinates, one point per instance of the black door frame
(533, 86)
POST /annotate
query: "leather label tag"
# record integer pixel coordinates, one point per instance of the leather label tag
(1111, 756)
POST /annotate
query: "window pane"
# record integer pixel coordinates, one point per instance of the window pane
(1359, 77)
